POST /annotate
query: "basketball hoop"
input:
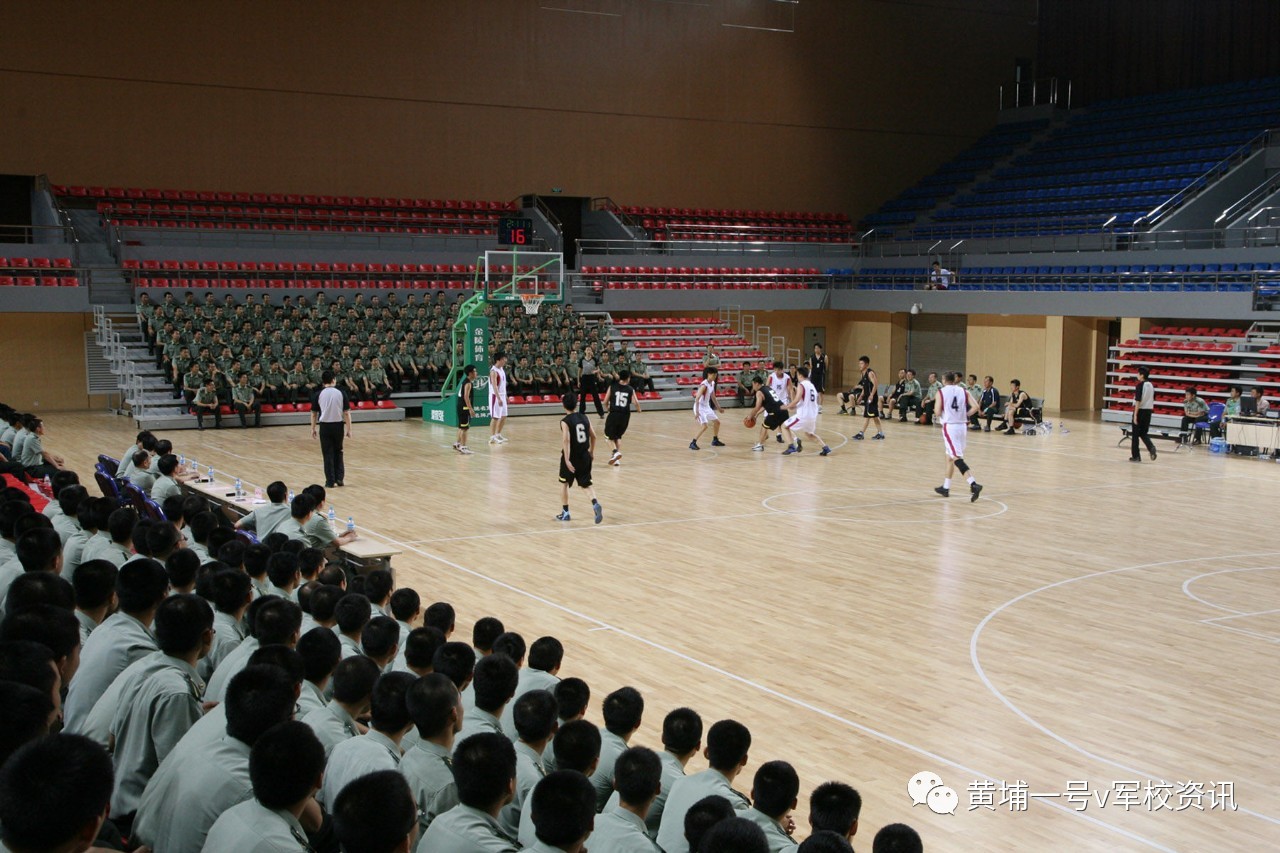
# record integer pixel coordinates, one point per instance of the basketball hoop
(531, 302)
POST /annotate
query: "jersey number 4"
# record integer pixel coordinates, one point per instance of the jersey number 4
(581, 432)
(955, 403)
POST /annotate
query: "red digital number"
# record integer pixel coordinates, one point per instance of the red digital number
(518, 237)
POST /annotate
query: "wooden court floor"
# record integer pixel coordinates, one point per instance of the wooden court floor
(1086, 656)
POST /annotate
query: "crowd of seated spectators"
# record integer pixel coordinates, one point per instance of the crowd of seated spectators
(239, 355)
(168, 685)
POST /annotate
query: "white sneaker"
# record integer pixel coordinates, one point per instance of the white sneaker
(457, 447)
(502, 439)
(493, 439)
(758, 447)
(464, 450)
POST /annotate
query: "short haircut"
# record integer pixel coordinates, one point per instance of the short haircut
(802, 372)
(141, 585)
(10, 512)
(353, 612)
(512, 645)
(302, 506)
(728, 742)
(94, 582)
(353, 679)
(483, 767)
(282, 569)
(637, 775)
(51, 789)
(623, 710)
(374, 813)
(431, 701)
(139, 537)
(576, 746)
(378, 585)
(682, 731)
(897, 838)
(182, 567)
(172, 508)
(276, 621)
(167, 464)
(834, 806)
(162, 538)
(28, 662)
(734, 835)
(140, 458)
(380, 636)
(405, 602)
(285, 763)
(825, 841)
(92, 515)
(220, 536)
(495, 682)
(38, 549)
(181, 621)
(309, 562)
(277, 492)
(702, 816)
(324, 601)
(572, 696)
(26, 712)
(258, 697)
(53, 627)
(387, 707)
(317, 492)
(332, 575)
(320, 650)
(40, 588)
(455, 660)
(774, 788)
(535, 715)
(421, 645)
(283, 658)
(485, 631)
(229, 588)
(569, 401)
(62, 479)
(546, 654)
(272, 542)
(564, 807)
(202, 525)
(70, 498)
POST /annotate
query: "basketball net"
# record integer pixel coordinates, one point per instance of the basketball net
(531, 302)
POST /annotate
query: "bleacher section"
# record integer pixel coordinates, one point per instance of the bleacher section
(153, 208)
(1116, 278)
(1209, 359)
(683, 223)
(1111, 163)
(1000, 142)
(702, 278)
(37, 272)
(675, 346)
(301, 274)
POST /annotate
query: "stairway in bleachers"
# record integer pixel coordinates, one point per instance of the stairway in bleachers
(673, 348)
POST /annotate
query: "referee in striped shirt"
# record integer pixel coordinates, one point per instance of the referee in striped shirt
(330, 422)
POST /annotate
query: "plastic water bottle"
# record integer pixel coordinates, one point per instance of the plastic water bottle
(210, 473)
(332, 515)
(351, 524)
(239, 490)
(48, 486)
(291, 497)
(182, 459)
(257, 494)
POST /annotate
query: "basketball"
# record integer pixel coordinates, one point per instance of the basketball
(749, 422)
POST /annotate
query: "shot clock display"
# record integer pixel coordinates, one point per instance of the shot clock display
(515, 232)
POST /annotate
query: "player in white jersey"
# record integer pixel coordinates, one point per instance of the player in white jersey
(705, 408)
(804, 403)
(780, 385)
(953, 407)
(497, 398)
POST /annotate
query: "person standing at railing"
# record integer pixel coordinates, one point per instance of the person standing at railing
(939, 277)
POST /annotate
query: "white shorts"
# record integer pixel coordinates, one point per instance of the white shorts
(706, 415)
(954, 438)
(805, 425)
(497, 407)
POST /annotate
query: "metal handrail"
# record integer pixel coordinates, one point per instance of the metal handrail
(966, 281)
(628, 220)
(787, 248)
(26, 234)
(255, 237)
(1271, 217)
(114, 215)
(545, 211)
(1269, 185)
(1201, 183)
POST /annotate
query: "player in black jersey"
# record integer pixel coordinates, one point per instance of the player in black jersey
(465, 403)
(617, 403)
(775, 413)
(577, 444)
(869, 394)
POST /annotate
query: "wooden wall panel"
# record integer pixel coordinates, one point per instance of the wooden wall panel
(44, 367)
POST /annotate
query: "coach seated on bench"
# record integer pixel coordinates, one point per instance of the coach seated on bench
(1017, 409)
(1194, 410)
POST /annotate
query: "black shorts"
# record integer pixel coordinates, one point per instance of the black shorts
(872, 408)
(581, 473)
(775, 421)
(464, 418)
(615, 427)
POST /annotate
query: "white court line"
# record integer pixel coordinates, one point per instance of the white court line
(1216, 619)
(995, 691)
(769, 691)
(1186, 586)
